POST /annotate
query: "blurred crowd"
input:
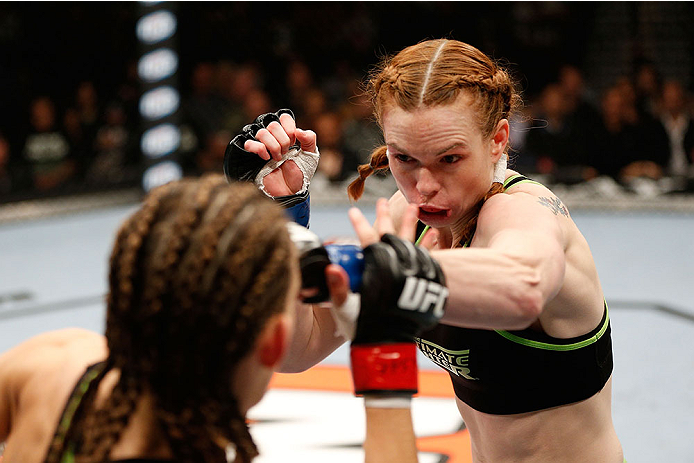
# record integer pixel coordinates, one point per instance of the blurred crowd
(92, 142)
(638, 127)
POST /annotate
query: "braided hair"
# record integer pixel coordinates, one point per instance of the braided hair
(194, 275)
(432, 73)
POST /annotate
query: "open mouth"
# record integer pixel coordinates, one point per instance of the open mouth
(430, 212)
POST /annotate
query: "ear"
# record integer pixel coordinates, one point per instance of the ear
(273, 341)
(499, 139)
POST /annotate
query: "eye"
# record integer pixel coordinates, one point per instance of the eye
(450, 159)
(403, 158)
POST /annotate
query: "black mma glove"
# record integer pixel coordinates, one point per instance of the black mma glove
(314, 257)
(403, 293)
(242, 165)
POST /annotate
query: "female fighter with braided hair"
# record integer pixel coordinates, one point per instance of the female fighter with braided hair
(525, 335)
(203, 282)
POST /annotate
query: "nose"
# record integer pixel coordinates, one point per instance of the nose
(427, 183)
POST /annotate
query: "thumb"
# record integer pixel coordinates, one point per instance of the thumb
(430, 239)
(338, 283)
(307, 139)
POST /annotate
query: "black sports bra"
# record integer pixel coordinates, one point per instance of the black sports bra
(506, 372)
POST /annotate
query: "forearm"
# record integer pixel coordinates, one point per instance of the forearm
(313, 339)
(389, 436)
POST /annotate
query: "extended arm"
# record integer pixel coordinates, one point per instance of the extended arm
(516, 265)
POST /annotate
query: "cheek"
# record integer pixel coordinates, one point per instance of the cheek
(403, 178)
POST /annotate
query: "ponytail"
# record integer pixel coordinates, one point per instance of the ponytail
(379, 162)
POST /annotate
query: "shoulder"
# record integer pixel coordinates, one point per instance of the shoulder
(44, 367)
(56, 340)
(55, 351)
(529, 191)
(529, 206)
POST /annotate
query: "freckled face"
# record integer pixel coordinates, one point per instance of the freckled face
(440, 160)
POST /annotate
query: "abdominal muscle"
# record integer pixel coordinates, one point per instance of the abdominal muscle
(578, 432)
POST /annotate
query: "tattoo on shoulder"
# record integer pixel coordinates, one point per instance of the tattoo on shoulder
(555, 205)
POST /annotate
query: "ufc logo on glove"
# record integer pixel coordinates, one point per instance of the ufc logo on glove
(420, 294)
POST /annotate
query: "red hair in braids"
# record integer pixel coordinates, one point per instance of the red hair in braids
(436, 72)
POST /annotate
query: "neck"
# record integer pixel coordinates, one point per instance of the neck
(142, 437)
(458, 228)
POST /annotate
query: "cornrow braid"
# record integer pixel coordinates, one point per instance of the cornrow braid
(498, 85)
(205, 449)
(59, 443)
(103, 427)
(195, 274)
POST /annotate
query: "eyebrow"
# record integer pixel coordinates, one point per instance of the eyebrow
(455, 145)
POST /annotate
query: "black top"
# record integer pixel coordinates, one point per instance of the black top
(90, 378)
(507, 372)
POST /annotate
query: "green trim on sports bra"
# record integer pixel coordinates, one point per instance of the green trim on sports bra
(65, 422)
(421, 236)
(517, 179)
(93, 373)
(558, 347)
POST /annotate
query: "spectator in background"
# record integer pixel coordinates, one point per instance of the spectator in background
(679, 127)
(5, 172)
(582, 115)
(256, 102)
(520, 159)
(579, 99)
(625, 147)
(87, 106)
(628, 96)
(46, 149)
(211, 157)
(360, 132)
(339, 85)
(314, 106)
(80, 147)
(648, 155)
(299, 82)
(204, 109)
(113, 150)
(551, 140)
(128, 93)
(239, 86)
(328, 126)
(614, 138)
(648, 90)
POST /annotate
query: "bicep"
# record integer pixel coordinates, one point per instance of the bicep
(530, 233)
